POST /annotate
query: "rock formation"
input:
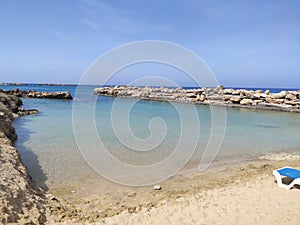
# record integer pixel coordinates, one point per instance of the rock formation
(36, 94)
(21, 202)
(11, 84)
(283, 101)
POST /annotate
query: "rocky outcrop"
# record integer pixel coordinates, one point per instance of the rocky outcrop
(254, 99)
(21, 202)
(36, 94)
(11, 84)
(23, 112)
(30, 84)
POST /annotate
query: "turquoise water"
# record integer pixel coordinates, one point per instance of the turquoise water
(48, 147)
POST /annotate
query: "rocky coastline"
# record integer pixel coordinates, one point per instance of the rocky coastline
(21, 202)
(288, 101)
(29, 84)
(36, 94)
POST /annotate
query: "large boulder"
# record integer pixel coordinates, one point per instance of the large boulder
(290, 96)
(279, 95)
(246, 101)
(191, 95)
(228, 91)
(219, 89)
(235, 99)
(274, 100)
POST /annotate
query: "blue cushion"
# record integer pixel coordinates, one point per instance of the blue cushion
(289, 172)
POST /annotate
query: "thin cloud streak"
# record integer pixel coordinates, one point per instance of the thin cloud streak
(97, 4)
(102, 17)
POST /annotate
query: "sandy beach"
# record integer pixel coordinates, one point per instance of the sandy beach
(149, 112)
(238, 194)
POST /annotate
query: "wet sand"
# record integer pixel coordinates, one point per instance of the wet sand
(234, 194)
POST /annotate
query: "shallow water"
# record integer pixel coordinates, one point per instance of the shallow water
(48, 147)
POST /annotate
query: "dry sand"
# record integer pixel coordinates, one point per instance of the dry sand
(256, 202)
(237, 194)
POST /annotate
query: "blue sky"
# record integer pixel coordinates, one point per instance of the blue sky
(245, 43)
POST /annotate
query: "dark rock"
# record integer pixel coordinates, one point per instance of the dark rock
(35, 94)
(23, 112)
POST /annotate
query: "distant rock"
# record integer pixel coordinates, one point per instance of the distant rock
(11, 84)
(228, 91)
(290, 96)
(246, 101)
(235, 99)
(284, 101)
(282, 94)
(36, 94)
(23, 112)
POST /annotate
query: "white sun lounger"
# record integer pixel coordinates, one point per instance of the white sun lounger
(287, 172)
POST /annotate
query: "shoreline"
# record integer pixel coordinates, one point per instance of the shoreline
(84, 204)
(244, 194)
(93, 207)
(21, 201)
(287, 101)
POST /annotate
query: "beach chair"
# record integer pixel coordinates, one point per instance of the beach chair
(287, 172)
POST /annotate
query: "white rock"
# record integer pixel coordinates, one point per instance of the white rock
(281, 94)
(157, 187)
(290, 96)
(257, 95)
(227, 91)
(246, 101)
(235, 99)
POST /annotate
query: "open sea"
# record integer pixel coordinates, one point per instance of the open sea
(48, 146)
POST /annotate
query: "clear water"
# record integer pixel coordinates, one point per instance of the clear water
(48, 147)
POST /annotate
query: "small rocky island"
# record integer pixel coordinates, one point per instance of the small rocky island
(37, 94)
(254, 99)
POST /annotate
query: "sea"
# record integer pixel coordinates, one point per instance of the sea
(59, 146)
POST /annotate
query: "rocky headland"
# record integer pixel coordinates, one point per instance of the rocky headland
(254, 99)
(37, 94)
(11, 84)
(21, 202)
(29, 84)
